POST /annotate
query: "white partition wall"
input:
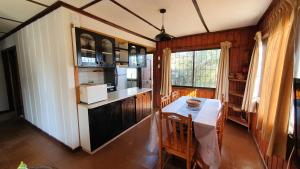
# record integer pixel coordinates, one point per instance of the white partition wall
(46, 69)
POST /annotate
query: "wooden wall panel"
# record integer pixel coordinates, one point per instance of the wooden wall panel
(273, 162)
(195, 92)
(242, 40)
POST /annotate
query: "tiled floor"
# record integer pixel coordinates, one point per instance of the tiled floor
(21, 142)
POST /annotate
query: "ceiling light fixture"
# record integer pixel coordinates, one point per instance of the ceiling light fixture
(163, 36)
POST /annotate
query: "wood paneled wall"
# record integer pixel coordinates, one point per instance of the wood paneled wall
(273, 162)
(195, 92)
(242, 40)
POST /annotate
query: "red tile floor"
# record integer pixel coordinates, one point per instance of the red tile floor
(21, 142)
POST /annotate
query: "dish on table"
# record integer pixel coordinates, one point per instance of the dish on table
(193, 102)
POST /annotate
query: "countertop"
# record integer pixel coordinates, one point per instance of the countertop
(116, 96)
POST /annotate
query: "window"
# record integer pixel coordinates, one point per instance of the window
(195, 68)
(131, 73)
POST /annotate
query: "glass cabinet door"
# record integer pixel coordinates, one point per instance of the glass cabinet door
(141, 57)
(107, 51)
(132, 56)
(88, 50)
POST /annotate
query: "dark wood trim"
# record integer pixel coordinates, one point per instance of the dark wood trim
(134, 14)
(5, 111)
(270, 8)
(10, 19)
(89, 4)
(222, 31)
(34, 18)
(63, 4)
(38, 3)
(200, 14)
(105, 21)
(192, 87)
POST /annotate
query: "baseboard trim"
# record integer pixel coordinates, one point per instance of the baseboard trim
(53, 139)
(260, 154)
(5, 111)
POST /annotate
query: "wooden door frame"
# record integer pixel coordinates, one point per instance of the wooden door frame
(10, 66)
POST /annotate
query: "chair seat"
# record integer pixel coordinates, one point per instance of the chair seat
(179, 149)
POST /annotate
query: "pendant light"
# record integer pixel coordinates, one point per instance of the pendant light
(163, 36)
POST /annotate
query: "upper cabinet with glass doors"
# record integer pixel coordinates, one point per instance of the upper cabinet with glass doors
(136, 55)
(94, 50)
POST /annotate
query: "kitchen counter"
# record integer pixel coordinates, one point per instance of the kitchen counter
(116, 96)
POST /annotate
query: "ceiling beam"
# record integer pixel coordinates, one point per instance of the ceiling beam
(90, 4)
(63, 4)
(38, 3)
(10, 19)
(133, 13)
(200, 14)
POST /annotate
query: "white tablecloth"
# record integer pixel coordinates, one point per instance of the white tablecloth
(204, 120)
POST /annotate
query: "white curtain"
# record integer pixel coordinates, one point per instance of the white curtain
(166, 79)
(223, 70)
(253, 80)
(276, 88)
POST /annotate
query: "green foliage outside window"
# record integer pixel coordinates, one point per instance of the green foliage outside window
(195, 68)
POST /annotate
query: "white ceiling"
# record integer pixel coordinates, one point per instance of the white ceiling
(181, 17)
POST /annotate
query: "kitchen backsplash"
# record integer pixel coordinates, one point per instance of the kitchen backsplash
(88, 75)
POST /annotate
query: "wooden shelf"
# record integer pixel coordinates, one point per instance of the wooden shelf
(118, 48)
(237, 80)
(87, 50)
(238, 120)
(236, 94)
(107, 53)
(234, 107)
(122, 62)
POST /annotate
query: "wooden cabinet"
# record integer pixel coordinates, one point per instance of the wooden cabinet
(94, 50)
(128, 112)
(108, 121)
(143, 105)
(137, 55)
(107, 47)
(87, 48)
(105, 122)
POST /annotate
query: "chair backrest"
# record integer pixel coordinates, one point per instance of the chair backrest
(178, 135)
(165, 100)
(220, 126)
(175, 95)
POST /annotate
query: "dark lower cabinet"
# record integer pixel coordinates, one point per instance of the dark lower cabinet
(99, 134)
(139, 107)
(143, 105)
(106, 122)
(128, 112)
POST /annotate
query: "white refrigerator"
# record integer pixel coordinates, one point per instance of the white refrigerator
(121, 77)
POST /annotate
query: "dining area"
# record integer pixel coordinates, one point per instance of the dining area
(190, 128)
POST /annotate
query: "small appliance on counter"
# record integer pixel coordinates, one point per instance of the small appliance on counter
(91, 92)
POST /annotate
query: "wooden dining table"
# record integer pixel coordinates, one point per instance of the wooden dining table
(204, 122)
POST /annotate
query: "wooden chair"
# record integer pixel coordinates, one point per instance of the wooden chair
(175, 95)
(176, 142)
(164, 101)
(221, 123)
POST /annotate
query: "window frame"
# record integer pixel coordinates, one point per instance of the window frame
(193, 78)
